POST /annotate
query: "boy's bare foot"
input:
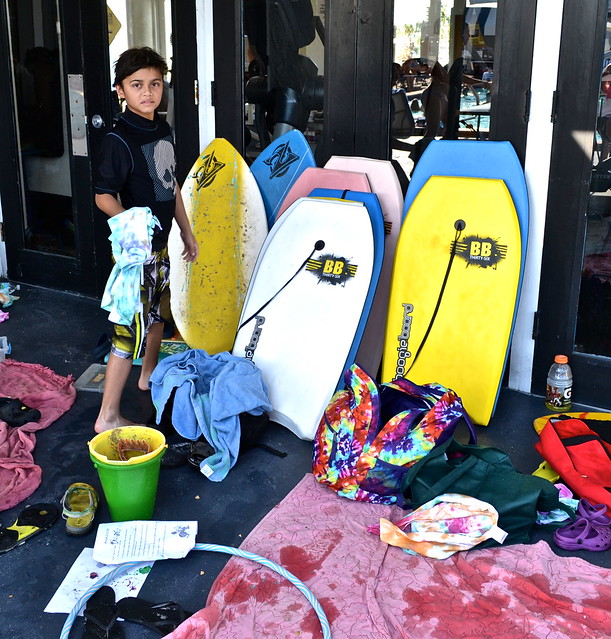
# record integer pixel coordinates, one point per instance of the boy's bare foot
(143, 382)
(102, 424)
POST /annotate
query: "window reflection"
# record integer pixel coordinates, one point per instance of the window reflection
(284, 44)
(443, 73)
(593, 331)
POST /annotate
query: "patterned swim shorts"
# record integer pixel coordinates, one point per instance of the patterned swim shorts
(130, 341)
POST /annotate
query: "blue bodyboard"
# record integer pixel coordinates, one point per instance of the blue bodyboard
(278, 166)
(371, 202)
(471, 158)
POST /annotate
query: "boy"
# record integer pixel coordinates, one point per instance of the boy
(137, 163)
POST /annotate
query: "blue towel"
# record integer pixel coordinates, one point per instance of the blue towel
(211, 392)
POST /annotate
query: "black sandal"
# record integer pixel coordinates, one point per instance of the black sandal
(163, 618)
(101, 616)
(200, 451)
(176, 455)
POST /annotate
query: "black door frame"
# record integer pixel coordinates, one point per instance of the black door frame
(9, 162)
(228, 85)
(581, 55)
(512, 72)
(89, 17)
(184, 78)
(357, 85)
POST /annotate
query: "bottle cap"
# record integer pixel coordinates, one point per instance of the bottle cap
(561, 359)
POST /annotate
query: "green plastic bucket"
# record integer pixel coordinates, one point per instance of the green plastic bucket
(130, 486)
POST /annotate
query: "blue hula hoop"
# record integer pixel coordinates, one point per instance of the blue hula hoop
(229, 550)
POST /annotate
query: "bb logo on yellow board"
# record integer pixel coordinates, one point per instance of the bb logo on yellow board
(478, 251)
(332, 269)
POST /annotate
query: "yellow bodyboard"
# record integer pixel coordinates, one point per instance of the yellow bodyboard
(469, 333)
(227, 215)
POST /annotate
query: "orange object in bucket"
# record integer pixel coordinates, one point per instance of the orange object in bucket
(128, 460)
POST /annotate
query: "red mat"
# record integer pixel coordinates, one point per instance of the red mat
(369, 589)
(52, 395)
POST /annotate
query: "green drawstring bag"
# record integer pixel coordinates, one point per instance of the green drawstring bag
(488, 475)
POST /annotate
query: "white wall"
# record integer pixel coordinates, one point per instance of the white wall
(3, 264)
(205, 71)
(536, 168)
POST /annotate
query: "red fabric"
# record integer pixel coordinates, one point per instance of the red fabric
(52, 395)
(585, 467)
(369, 589)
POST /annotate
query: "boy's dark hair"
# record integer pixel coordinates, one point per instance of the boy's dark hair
(137, 58)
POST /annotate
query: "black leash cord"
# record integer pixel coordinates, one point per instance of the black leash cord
(318, 246)
(459, 225)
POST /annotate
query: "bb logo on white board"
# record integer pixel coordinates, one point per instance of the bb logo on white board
(480, 251)
(206, 173)
(332, 269)
(280, 160)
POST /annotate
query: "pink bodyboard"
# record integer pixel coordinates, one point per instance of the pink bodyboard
(315, 178)
(385, 184)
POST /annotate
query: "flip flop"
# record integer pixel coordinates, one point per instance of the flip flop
(200, 451)
(163, 618)
(583, 535)
(101, 616)
(176, 455)
(15, 413)
(79, 505)
(32, 520)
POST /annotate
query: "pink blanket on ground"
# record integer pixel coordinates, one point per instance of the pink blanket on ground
(52, 395)
(369, 589)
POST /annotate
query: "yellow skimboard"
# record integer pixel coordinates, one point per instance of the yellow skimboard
(454, 290)
(227, 215)
(540, 422)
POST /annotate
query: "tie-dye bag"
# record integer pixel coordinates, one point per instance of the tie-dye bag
(369, 436)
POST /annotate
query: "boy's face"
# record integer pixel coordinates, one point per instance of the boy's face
(142, 91)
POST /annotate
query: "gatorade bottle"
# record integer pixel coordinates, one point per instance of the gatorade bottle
(559, 385)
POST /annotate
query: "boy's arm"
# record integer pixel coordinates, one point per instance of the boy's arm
(191, 250)
(108, 204)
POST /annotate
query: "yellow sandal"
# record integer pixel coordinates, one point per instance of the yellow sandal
(79, 503)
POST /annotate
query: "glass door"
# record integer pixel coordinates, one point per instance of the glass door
(593, 325)
(43, 128)
(443, 73)
(61, 55)
(50, 137)
(320, 67)
(283, 70)
(575, 299)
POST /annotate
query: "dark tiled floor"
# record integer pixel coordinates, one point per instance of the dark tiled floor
(59, 330)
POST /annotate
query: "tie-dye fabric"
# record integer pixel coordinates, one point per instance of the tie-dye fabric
(368, 437)
(447, 524)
